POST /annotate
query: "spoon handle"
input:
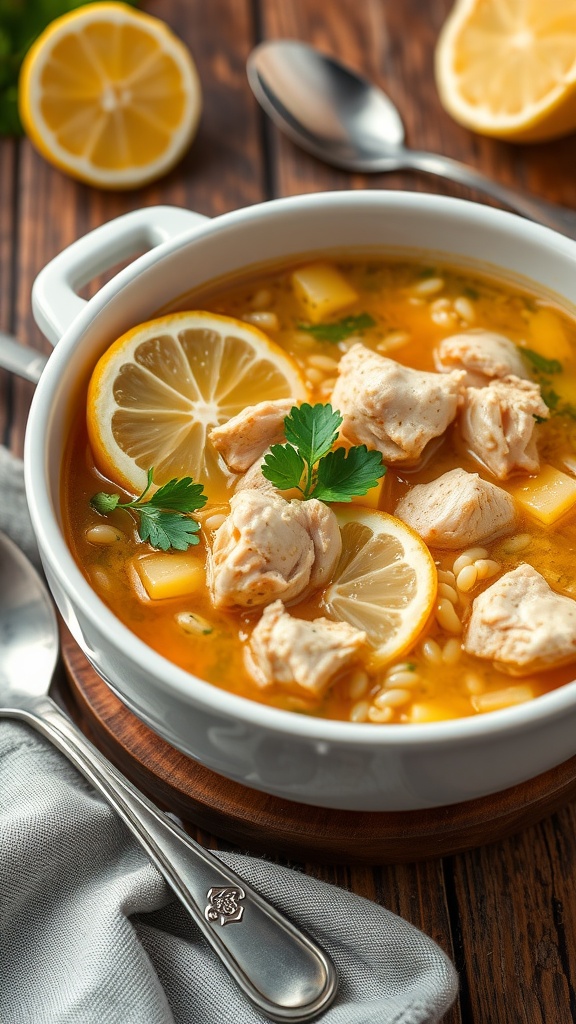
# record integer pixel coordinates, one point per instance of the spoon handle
(557, 217)
(277, 966)
(25, 362)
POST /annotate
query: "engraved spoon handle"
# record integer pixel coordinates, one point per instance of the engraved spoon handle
(277, 966)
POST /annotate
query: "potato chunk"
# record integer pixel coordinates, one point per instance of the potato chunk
(548, 496)
(170, 575)
(321, 290)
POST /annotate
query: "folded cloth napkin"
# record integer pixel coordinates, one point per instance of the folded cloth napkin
(91, 934)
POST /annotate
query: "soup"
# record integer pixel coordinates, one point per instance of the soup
(489, 487)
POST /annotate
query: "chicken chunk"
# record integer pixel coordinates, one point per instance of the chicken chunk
(391, 407)
(483, 354)
(269, 547)
(457, 510)
(522, 624)
(245, 438)
(254, 480)
(498, 423)
(298, 655)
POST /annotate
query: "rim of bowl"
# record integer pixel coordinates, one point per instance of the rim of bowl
(165, 673)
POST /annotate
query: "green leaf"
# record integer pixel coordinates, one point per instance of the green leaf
(345, 475)
(550, 397)
(104, 503)
(182, 495)
(283, 467)
(312, 429)
(341, 329)
(540, 363)
(163, 520)
(166, 530)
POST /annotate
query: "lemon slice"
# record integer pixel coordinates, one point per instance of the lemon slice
(156, 393)
(110, 95)
(385, 582)
(507, 68)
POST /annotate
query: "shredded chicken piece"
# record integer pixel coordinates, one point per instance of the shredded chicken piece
(299, 655)
(522, 624)
(457, 510)
(391, 407)
(254, 480)
(269, 547)
(483, 354)
(245, 437)
(498, 424)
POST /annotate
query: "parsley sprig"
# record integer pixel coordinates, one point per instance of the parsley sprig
(340, 329)
(543, 368)
(308, 463)
(540, 363)
(164, 520)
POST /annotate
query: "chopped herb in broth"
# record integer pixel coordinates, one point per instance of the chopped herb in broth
(355, 331)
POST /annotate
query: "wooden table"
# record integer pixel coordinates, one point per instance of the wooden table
(505, 913)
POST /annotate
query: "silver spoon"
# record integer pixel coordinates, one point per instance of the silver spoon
(278, 967)
(343, 119)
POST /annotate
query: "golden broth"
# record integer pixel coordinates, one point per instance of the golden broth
(414, 307)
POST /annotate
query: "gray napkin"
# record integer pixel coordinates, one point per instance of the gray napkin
(90, 933)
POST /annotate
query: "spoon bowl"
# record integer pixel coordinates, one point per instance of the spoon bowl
(28, 630)
(325, 107)
(340, 117)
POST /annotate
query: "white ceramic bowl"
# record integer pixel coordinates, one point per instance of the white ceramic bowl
(332, 764)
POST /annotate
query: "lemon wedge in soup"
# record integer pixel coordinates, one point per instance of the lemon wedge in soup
(157, 392)
(385, 582)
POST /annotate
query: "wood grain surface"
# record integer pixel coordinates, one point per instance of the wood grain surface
(506, 912)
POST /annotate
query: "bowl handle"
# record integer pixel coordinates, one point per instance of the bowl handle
(55, 299)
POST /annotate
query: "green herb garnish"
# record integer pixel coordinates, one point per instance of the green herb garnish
(21, 21)
(540, 363)
(550, 397)
(308, 463)
(164, 520)
(471, 293)
(341, 329)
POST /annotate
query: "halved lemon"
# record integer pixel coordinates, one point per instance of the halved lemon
(507, 68)
(158, 390)
(385, 582)
(110, 95)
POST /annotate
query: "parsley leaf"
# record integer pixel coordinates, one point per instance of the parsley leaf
(339, 330)
(308, 463)
(21, 22)
(550, 397)
(312, 430)
(283, 466)
(164, 520)
(540, 363)
(181, 495)
(166, 530)
(344, 474)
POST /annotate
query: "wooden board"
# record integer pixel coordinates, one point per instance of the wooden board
(266, 823)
